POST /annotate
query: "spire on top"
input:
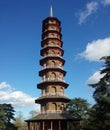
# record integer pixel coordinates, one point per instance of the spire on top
(51, 11)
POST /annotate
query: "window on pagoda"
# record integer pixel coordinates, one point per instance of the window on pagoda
(44, 77)
(52, 28)
(61, 91)
(60, 77)
(58, 36)
(47, 77)
(59, 63)
(57, 43)
(54, 107)
(45, 29)
(52, 63)
(52, 21)
(45, 37)
(55, 36)
(51, 35)
(45, 44)
(51, 52)
(44, 65)
(43, 108)
(53, 90)
(44, 91)
(53, 76)
(53, 43)
(62, 107)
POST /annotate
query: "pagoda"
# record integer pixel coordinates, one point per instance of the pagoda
(53, 100)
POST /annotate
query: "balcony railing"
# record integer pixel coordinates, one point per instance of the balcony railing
(56, 36)
(52, 111)
(51, 55)
(53, 94)
(53, 80)
(54, 45)
(52, 66)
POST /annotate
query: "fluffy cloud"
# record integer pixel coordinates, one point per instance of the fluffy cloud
(105, 2)
(4, 85)
(90, 9)
(16, 98)
(96, 49)
(94, 78)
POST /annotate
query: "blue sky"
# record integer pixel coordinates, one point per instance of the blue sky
(86, 36)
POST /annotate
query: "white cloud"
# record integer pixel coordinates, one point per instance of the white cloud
(96, 49)
(105, 2)
(4, 85)
(14, 97)
(90, 9)
(94, 78)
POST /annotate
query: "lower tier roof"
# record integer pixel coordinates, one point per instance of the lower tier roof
(53, 116)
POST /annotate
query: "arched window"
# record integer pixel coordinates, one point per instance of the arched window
(61, 90)
(44, 65)
(62, 107)
(52, 63)
(54, 107)
(43, 108)
(46, 76)
(52, 52)
(60, 77)
(53, 90)
(53, 76)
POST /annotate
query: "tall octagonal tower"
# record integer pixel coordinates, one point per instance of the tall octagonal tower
(53, 100)
(52, 86)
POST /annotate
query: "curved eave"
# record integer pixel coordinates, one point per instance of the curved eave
(54, 116)
(42, 61)
(51, 31)
(49, 48)
(45, 83)
(51, 39)
(52, 99)
(48, 25)
(51, 18)
(46, 70)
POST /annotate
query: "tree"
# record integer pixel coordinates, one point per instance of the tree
(6, 116)
(79, 107)
(2, 118)
(33, 113)
(100, 112)
(19, 122)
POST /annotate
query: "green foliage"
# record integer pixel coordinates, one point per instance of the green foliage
(33, 113)
(19, 122)
(99, 115)
(6, 116)
(2, 118)
(78, 107)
